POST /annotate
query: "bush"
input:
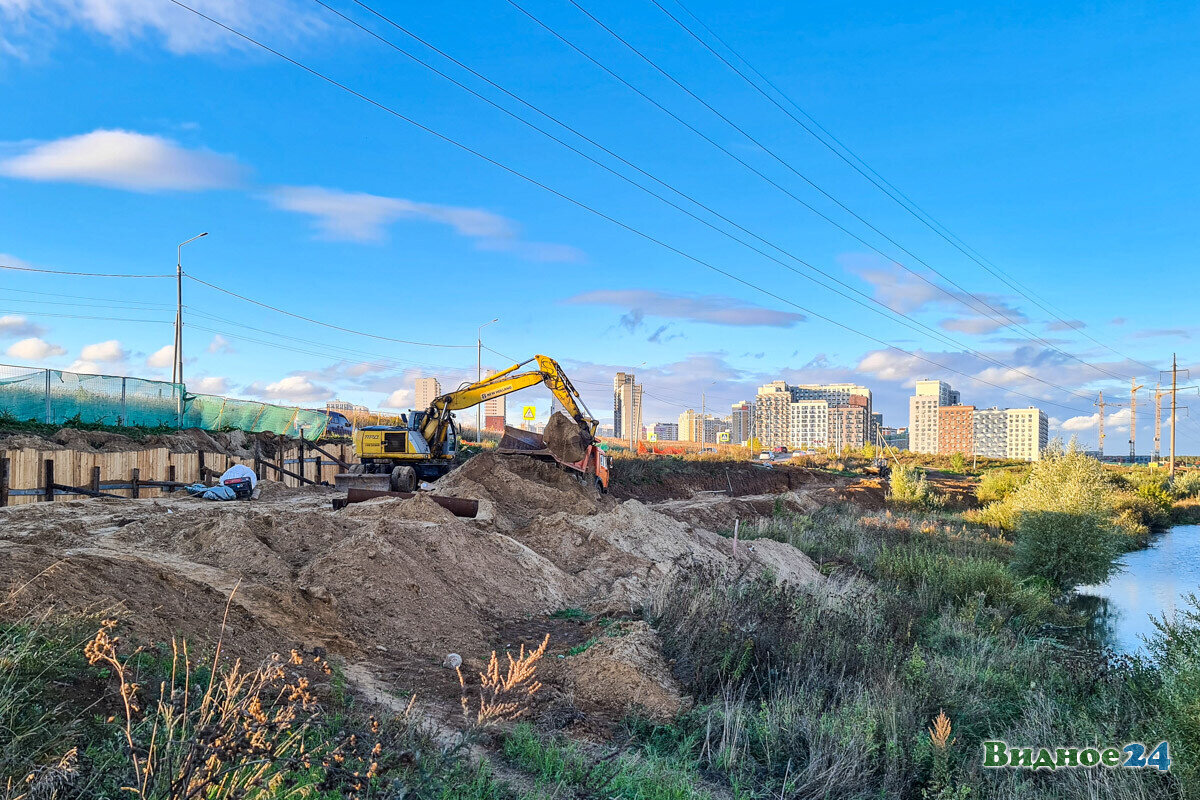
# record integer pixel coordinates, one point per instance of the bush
(1186, 485)
(997, 484)
(1171, 678)
(1063, 547)
(958, 462)
(1069, 482)
(910, 489)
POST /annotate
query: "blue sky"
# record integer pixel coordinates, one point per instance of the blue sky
(1057, 140)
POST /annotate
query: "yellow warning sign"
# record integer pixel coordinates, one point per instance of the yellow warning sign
(528, 412)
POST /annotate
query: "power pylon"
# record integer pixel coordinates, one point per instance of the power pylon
(1159, 394)
(1133, 389)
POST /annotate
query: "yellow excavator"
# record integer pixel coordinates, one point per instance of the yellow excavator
(424, 445)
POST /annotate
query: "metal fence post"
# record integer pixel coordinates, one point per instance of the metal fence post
(124, 419)
(49, 418)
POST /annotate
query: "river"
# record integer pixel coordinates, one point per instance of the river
(1148, 582)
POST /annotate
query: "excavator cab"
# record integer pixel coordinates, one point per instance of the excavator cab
(397, 457)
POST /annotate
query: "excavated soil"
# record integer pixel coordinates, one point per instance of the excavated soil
(188, 440)
(391, 586)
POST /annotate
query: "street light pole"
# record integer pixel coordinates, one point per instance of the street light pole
(177, 367)
(479, 376)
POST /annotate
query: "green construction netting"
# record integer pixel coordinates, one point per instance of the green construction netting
(212, 412)
(55, 397)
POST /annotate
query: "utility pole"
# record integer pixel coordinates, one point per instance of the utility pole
(177, 367)
(1159, 392)
(703, 437)
(1100, 403)
(1133, 388)
(479, 377)
(1174, 376)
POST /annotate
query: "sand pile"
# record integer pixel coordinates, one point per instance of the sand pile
(624, 672)
(515, 490)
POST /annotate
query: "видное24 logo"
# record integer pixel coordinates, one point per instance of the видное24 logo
(999, 755)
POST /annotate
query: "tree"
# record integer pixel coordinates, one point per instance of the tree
(1063, 547)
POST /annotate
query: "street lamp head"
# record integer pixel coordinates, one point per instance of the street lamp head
(203, 234)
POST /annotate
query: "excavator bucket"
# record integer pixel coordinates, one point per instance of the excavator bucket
(563, 440)
(376, 481)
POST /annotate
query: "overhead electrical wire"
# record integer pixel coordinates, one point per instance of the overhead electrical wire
(79, 274)
(861, 166)
(987, 310)
(896, 316)
(82, 316)
(330, 325)
(579, 204)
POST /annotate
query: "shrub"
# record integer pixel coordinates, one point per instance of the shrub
(997, 484)
(1186, 485)
(1069, 482)
(958, 462)
(1171, 678)
(1148, 508)
(910, 489)
(1065, 548)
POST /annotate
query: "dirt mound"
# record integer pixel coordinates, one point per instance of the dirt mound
(519, 489)
(564, 439)
(717, 512)
(625, 671)
(188, 440)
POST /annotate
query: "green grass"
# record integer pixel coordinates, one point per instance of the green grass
(10, 424)
(571, 613)
(559, 765)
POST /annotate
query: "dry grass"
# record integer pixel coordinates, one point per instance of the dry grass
(504, 697)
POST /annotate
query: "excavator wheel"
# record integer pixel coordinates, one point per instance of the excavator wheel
(404, 479)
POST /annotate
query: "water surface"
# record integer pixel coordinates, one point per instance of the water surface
(1148, 582)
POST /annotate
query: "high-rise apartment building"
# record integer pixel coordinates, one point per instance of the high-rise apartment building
(991, 432)
(956, 430)
(741, 422)
(849, 425)
(1028, 433)
(778, 420)
(494, 410)
(426, 390)
(876, 428)
(627, 406)
(695, 427)
(666, 431)
(923, 407)
(809, 427)
(772, 414)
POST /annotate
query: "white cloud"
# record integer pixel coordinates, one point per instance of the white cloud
(34, 349)
(162, 357)
(1082, 423)
(714, 309)
(16, 325)
(401, 398)
(180, 31)
(361, 217)
(220, 344)
(120, 159)
(208, 385)
(88, 367)
(107, 352)
(294, 388)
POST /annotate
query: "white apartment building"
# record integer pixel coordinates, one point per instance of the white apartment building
(808, 424)
(923, 407)
(627, 406)
(1028, 433)
(426, 390)
(991, 432)
(666, 431)
(772, 414)
(694, 427)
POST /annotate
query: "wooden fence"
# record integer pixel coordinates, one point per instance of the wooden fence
(30, 476)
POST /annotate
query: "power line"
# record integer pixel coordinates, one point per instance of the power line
(584, 206)
(897, 316)
(85, 297)
(80, 316)
(881, 183)
(994, 314)
(310, 319)
(78, 274)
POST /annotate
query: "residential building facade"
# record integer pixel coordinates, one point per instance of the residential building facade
(741, 422)
(627, 406)
(928, 397)
(991, 432)
(956, 430)
(426, 390)
(849, 425)
(809, 427)
(494, 410)
(1028, 433)
(666, 431)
